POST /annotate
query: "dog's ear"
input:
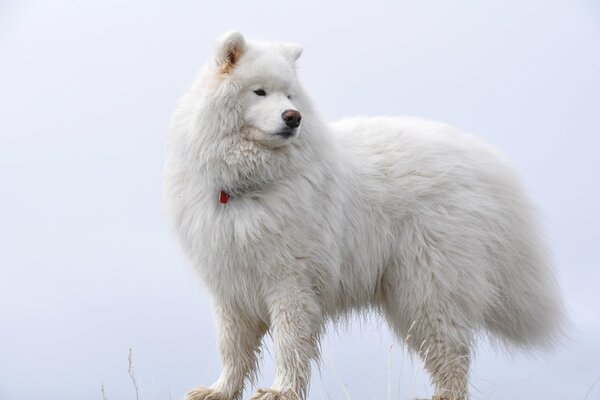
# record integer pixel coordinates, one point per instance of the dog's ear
(291, 51)
(229, 49)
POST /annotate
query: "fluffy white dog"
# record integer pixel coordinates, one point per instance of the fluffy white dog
(293, 222)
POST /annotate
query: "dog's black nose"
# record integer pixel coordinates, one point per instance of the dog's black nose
(292, 118)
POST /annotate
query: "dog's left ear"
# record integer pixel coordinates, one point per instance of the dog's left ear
(229, 49)
(292, 51)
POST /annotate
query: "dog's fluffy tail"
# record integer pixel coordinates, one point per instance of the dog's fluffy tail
(529, 312)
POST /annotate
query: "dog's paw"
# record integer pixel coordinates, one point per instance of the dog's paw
(270, 394)
(203, 393)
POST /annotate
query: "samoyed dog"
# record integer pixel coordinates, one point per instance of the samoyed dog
(293, 222)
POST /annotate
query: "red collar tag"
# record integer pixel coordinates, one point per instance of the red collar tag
(223, 197)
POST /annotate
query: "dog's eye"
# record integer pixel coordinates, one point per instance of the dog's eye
(289, 96)
(260, 92)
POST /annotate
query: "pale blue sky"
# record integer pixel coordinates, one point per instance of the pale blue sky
(88, 266)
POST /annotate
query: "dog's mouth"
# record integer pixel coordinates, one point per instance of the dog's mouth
(278, 138)
(286, 134)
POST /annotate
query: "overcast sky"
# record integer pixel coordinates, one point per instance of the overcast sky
(89, 267)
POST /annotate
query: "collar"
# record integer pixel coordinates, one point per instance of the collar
(227, 192)
(223, 197)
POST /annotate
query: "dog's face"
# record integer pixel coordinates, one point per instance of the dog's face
(266, 85)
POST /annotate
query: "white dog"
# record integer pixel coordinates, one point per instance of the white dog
(293, 222)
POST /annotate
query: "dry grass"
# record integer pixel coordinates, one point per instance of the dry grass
(132, 375)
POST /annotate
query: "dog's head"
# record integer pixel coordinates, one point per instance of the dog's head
(262, 86)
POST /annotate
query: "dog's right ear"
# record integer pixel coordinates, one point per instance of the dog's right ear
(229, 49)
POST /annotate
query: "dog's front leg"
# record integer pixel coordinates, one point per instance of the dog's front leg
(239, 339)
(296, 322)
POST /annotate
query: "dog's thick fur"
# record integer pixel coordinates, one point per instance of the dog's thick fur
(410, 218)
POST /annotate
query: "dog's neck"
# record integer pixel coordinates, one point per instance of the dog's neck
(247, 167)
(243, 188)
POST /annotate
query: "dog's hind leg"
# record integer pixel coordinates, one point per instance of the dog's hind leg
(444, 348)
(445, 351)
(432, 329)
